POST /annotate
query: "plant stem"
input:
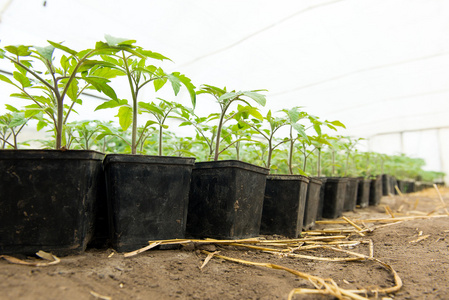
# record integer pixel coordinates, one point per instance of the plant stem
(160, 140)
(220, 125)
(290, 155)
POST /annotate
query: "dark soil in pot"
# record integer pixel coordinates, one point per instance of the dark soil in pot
(312, 203)
(375, 192)
(363, 192)
(226, 199)
(351, 194)
(283, 206)
(47, 200)
(147, 198)
(334, 197)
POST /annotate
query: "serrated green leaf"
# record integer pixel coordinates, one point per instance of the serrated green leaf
(151, 108)
(111, 104)
(114, 41)
(5, 79)
(20, 50)
(175, 82)
(107, 72)
(22, 79)
(63, 48)
(338, 123)
(189, 86)
(101, 85)
(11, 108)
(259, 98)
(159, 83)
(72, 90)
(152, 54)
(150, 122)
(317, 128)
(45, 52)
(41, 124)
(125, 116)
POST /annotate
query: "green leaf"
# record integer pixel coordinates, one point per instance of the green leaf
(41, 124)
(150, 122)
(22, 79)
(11, 108)
(72, 91)
(2, 53)
(151, 108)
(125, 117)
(175, 82)
(63, 48)
(188, 84)
(152, 54)
(317, 128)
(259, 98)
(159, 83)
(337, 123)
(6, 79)
(113, 41)
(111, 104)
(21, 50)
(107, 72)
(45, 52)
(101, 85)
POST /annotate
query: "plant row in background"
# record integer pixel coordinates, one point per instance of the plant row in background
(312, 155)
(92, 181)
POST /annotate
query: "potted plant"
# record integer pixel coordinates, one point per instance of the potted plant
(285, 195)
(48, 196)
(147, 195)
(226, 196)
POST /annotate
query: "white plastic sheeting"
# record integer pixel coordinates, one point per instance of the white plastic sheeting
(379, 66)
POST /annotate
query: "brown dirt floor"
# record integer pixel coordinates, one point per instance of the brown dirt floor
(418, 249)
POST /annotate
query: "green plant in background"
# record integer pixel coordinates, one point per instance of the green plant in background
(47, 84)
(225, 99)
(161, 112)
(11, 124)
(132, 61)
(274, 124)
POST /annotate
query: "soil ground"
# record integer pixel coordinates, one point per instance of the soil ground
(417, 249)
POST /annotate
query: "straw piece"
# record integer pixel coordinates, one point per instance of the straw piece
(359, 229)
(331, 289)
(441, 199)
(398, 190)
(388, 210)
(421, 238)
(53, 260)
(98, 296)
(382, 220)
(208, 258)
(150, 246)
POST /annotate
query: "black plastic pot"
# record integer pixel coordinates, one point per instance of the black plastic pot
(283, 206)
(375, 191)
(363, 192)
(47, 200)
(226, 199)
(147, 198)
(319, 214)
(393, 184)
(351, 194)
(386, 185)
(334, 197)
(312, 203)
(407, 186)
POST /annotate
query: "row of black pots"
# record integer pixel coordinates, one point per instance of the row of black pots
(58, 200)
